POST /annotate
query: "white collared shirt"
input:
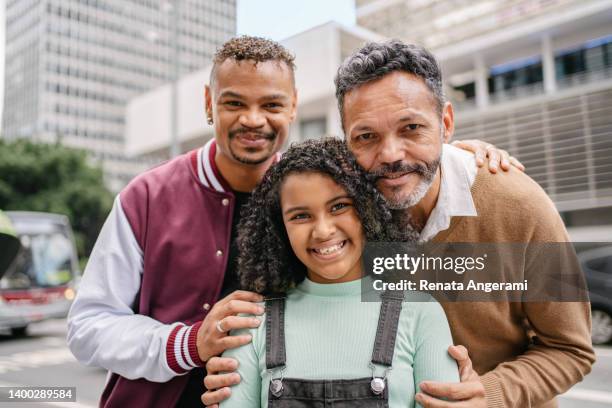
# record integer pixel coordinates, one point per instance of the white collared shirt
(458, 172)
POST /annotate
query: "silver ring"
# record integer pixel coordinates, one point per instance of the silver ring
(219, 328)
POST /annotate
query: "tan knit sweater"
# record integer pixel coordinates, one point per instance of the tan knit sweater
(519, 366)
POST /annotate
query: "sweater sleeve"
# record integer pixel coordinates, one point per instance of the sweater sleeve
(560, 356)
(431, 360)
(561, 353)
(247, 393)
(103, 329)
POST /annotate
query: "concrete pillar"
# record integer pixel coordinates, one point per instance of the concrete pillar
(548, 64)
(333, 124)
(481, 82)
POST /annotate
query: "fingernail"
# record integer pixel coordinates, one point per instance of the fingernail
(260, 310)
(418, 396)
(256, 322)
(236, 378)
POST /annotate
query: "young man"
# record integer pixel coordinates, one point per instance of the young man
(166, 255)
(397, 123)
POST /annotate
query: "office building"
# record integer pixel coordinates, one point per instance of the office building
(71, 67)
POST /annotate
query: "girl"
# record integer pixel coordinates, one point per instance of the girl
(301, 241)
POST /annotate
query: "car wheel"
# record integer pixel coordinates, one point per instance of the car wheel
(19, 331)
(602, 327)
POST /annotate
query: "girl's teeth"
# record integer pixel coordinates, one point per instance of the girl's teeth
(331, 249)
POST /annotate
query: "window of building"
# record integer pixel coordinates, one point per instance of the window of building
(592, 56)
(466, 91)
(515, 74)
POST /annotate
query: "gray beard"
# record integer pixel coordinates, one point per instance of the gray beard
(398, 203)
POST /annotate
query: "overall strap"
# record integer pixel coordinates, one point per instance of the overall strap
(275, 333)
(388, 319)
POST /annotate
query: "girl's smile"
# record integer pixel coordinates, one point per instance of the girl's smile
(323, 227)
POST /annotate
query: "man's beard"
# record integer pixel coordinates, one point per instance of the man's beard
(427, 172)
(271, 136)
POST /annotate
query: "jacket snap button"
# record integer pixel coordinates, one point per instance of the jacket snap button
(219, 252)
(206, 306)
(225, 202)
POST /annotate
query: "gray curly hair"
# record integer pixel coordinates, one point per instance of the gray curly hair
(377, 59)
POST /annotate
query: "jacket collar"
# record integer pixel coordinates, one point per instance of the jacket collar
(207, 170)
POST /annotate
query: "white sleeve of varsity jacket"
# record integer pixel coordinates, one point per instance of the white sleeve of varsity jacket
(103, 329)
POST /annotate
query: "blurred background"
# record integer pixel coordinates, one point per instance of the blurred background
(97, 91)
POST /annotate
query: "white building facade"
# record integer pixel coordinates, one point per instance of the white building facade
(71, 67)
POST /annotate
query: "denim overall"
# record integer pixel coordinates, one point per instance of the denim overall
(369, 392)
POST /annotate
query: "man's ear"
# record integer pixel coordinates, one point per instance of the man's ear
(208, 101)
(448, 122)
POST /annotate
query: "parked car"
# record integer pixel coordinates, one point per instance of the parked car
(597, 266)
(40, 283)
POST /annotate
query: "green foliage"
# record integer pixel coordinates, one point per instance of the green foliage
(53, 178)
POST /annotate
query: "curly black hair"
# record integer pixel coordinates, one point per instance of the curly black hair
(258, 49)
(251, 48)
(266, 261)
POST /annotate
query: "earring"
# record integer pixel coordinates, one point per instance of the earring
(209, 120)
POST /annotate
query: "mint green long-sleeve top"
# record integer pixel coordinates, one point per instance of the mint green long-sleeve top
(329, 334)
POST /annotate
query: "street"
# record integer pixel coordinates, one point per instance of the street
(43, 359)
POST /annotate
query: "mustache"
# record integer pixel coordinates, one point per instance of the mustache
(265, 135)
(400, 167)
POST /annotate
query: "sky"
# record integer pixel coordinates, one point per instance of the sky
(279, 19)
(275, 19)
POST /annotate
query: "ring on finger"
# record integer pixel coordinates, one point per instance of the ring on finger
(220, 328)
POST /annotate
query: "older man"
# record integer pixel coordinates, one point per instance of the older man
(397, 123)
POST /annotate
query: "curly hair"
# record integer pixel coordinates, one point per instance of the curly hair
(375, 60)
(256, 49)
(266, 261)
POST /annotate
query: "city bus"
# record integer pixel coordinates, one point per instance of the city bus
(40, 283)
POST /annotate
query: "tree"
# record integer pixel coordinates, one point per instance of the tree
(57, 179)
